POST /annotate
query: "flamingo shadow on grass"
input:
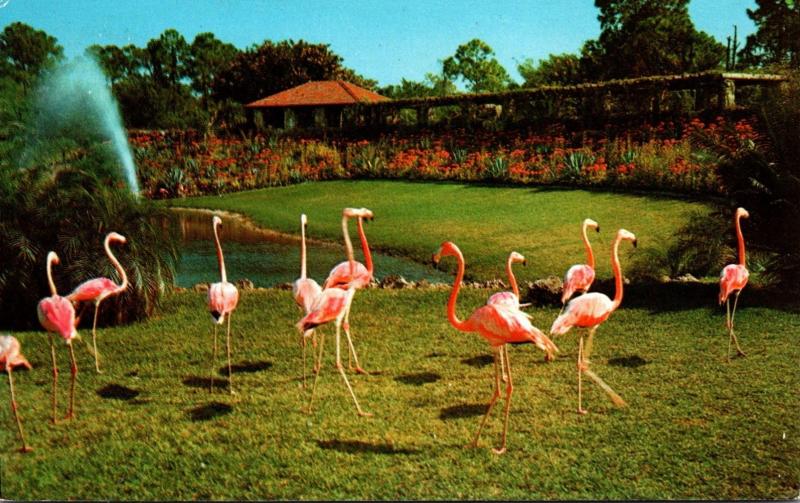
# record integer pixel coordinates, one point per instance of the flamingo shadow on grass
(117, 392)
(209, 411)
(632, 362)
(247, 367)
(418, 379)
(478, 361)
(205, 382)
(358, 447)
(463, 410)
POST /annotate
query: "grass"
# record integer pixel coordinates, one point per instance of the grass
(696, 426)
(412, 219)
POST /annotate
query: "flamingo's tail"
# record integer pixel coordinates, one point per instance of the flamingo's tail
(562, 324)
(544, 343)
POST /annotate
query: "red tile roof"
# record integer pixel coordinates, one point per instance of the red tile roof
(319, 93)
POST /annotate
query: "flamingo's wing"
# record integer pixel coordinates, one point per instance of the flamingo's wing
(733, 277)
(340, 276)
(305, 293)
(579, 277)
(56, 314)
(327, 307)
(584, 311)
(505, 299)
(222, 300)
(92, 289)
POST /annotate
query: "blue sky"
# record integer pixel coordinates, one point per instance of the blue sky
(382, 40)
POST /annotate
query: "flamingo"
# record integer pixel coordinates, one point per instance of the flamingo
(510, 299)
(99, 289)
(304, 290)
(500, 325)
(345, 274)
(580, 277)
(733, 279)
(10, 357)
(333, 304)
(590, 310)
(222, 300)
(57, 315)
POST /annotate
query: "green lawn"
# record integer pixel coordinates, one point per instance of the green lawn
(412, 219)
(696, 426)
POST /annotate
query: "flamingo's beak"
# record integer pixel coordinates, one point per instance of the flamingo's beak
(597, 228)
(634, 243)
(525, 263)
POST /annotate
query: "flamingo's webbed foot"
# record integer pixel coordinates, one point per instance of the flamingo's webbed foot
(500, 451)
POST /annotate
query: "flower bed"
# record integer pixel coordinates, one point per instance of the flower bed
(664, 156)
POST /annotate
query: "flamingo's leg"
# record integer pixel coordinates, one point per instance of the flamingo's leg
(74, 375)
(618, 401)
(495, 395)
(55, 375)
(303, 343)
(214, 360)
(729, 327)
(509, 391)
(230, 374)
(341, 369)
(581, 366)
(25, 447)
(352, 349)
(94, 337)
(503, 373)
(733, 334)
(316, 373)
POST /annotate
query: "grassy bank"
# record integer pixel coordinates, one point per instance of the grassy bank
(412, 219)
(696, 427)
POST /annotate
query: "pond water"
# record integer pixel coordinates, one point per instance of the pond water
(268, 258)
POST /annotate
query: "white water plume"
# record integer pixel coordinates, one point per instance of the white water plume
(76, 94)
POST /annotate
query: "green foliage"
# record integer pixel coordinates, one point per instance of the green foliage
(556, 70)
(474, 62)
(777, 38)
(647, 38)
(208, 56)
(25, 52)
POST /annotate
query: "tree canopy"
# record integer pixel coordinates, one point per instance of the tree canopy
(777, 39)
(26, 51)
(474, 62)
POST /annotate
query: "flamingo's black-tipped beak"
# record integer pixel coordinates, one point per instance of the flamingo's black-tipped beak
(597, 228)
(525, 263)
(634, 243)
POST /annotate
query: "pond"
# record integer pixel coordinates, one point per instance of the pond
(268, 258)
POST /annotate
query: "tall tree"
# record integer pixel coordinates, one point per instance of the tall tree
(272, 67)
(26, 51)
(167, 58)
(208, 56)
(777, 39)
(647, 37)
(556, 70)
(474, 62)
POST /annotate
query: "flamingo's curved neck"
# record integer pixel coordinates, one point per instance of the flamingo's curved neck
(511, 278)
(740, 238)
(117, 266)
(451, 303)
(302, 251)
(50, 260)
(220, 258)
(617, 273)
(589, 253)
(365, 246)
(348, 246)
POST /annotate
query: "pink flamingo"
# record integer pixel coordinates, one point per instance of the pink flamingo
(732, 280)
(590, 311)
(10, 357)
(510, 299)
(333, 304)
(99, 289)
(57, 315)
(580, 277)
(500, 325)
(304, 290)
(344, 275)
(222, 300)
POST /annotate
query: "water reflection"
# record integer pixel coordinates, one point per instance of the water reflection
(268, 258)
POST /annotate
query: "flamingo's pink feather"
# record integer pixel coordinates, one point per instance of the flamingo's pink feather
(328, 306)
(732, 278)
(93, 290)
(507, 299)
(578, 279)
(222, 300)
(587, 310)
(305, 293)
(499, 325)
(57, 315)
(10, 353)
(340, 277)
